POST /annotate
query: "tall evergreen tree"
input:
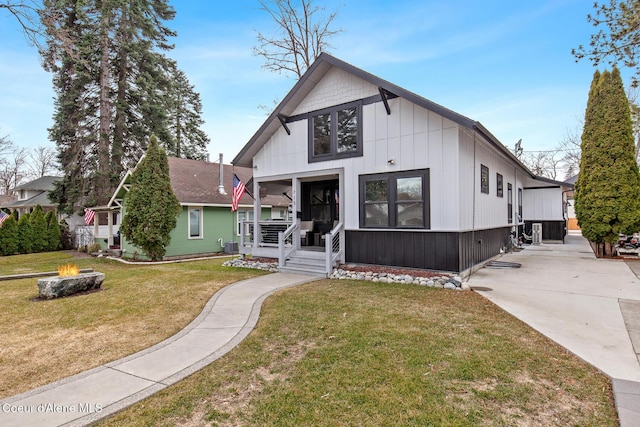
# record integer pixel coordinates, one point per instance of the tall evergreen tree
(184, 110)
(113, 84)
(607, 196)
(25, 238)
(150, 207)
(38, 230)
(53, 232)
(9, 237)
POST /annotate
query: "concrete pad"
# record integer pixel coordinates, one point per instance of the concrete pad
(227, 315)
(589, 306)
(68, 401)
(179, 355)
(627, 395)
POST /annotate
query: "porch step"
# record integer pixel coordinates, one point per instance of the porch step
(309, 264)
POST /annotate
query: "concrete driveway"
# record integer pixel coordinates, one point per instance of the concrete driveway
(589, 306)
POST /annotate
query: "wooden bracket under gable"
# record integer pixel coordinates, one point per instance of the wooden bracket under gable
(283, 122)
(385, 99)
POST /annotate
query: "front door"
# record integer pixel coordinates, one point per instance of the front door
(321, 203)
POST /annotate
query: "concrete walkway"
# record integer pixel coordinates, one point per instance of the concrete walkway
(589, 306)
(225, 321)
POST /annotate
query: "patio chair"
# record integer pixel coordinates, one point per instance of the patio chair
(306, 232)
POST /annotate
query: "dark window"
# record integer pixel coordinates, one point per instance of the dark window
(321, 134)
(509, 203)
(335, 133)
(499, 185)
(484, 179)
(519, 205)
(395, 200)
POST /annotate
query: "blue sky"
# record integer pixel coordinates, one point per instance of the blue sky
(506, 64)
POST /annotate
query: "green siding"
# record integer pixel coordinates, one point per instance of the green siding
(218, 223)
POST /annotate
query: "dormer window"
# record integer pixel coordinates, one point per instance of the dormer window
(335, 133)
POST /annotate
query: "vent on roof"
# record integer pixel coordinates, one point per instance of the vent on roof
(221, 184)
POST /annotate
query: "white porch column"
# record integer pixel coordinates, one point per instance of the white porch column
(96, 220)
(257, 213)
(110, 232)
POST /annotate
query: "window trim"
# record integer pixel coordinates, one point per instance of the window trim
(248, 216)
(392, 198)
(510, 203)
(499, 185)
(484, 179)
(333, 133)
(520, 220)
(200, 225)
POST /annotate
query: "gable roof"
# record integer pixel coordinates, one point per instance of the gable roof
(196, 182)
(316, 72)
(44, 183)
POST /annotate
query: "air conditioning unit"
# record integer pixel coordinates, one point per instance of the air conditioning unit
(536, 231)
(231, 247)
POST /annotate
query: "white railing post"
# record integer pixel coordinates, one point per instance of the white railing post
(280, 249)
(328, 246)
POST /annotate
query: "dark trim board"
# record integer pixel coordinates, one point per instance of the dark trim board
(429, 250)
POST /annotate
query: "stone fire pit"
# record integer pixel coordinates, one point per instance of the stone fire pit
(65, 285)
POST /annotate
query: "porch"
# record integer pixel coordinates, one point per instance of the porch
(297, 250)
(311, 240)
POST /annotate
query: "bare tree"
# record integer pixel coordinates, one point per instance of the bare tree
(27, 13)
(543, 163)
(301, 35)
(12, 170)
(43, 162)
(570, 147)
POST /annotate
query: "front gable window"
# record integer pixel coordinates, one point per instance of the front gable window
(335, 133)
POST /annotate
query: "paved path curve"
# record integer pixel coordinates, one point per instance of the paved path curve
(228, 317)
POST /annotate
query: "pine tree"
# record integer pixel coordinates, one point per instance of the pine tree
(150, 207)
(38, 230)
(184, 110)
(112, 85)
(607, 195)
(53, 232)
(25, 238)
(9, 237)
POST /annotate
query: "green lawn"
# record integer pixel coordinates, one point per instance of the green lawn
(329, 353)
(348, 353)
(140, 305)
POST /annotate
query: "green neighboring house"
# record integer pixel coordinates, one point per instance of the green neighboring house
(206, 224)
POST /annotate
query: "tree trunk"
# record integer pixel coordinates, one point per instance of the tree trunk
(103, 181)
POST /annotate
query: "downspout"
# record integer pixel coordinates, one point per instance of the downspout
(473, 212)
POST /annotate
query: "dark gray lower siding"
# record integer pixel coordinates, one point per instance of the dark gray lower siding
(446, 251)
(551, 230)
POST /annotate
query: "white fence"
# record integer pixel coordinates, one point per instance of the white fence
(83, 234)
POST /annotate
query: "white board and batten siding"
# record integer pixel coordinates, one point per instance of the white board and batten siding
(414, 138)
(491, 210)
(543, 204)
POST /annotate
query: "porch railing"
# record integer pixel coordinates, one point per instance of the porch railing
(334, 247)
(285, 243)
(267, 232)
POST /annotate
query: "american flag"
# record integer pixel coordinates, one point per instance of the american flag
(88, 216)
(3, 217)
(238, 191)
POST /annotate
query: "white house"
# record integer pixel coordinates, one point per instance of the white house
(394, 178)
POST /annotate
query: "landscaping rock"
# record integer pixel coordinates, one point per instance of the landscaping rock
(447, 282)
(56, 287)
